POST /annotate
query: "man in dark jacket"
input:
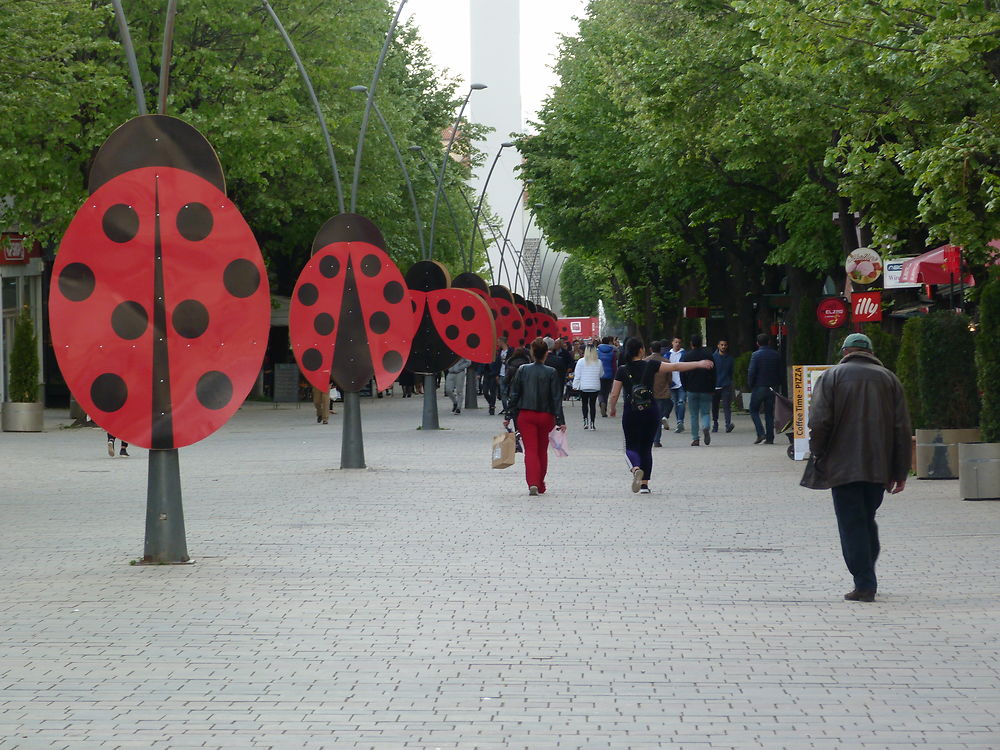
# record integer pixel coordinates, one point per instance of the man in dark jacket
(699, 387)
(860, 447)
(724, 363)
(763, 375)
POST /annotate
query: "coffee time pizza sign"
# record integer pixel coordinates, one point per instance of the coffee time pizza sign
(863, 266)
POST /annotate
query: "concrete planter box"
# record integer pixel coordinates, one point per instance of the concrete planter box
(937, 452)
(979, 471)
(18, 417)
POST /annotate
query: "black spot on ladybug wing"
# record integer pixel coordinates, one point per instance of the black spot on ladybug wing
(190, 319)
(194, 222)
(129, 320)
(371, 266)
(379, 322)
(120, 223)
(393, 292)
(451, 333)
(329, 266)
(443, 306)
(109, 392)
(392, 361)
(312, 359)
(468, 313)
(241, 278)
(472, 340)
(76, 282)
(214, 390)
(308, 294)
(323, 324)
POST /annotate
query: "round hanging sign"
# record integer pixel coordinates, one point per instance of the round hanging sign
(832, 312)
(863, 265)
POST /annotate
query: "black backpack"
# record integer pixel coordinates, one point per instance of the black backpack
(641, 394)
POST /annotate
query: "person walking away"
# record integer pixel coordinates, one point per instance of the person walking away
(609, 366)
(763, 374)
(677, 388)
(491, 378)
(699, 388)
(536, 407)
(661, 392)
(111, 447)
(454, 384)
(503, 353)
(558, 359)
(724, 363)
(587, 380)
(859, 442)
(321, 401)
(641, 414)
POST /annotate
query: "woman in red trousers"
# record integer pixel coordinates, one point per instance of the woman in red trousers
(536, 406)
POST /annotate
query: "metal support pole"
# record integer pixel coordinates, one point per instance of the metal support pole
(352, 445)
(471, 387)
(165, 539)
(430, 420)
(165, 54)
(133, 66)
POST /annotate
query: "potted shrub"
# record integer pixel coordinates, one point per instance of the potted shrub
(979, 463)
(947, 393)
(22, 412)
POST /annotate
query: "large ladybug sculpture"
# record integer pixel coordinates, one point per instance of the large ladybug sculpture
(509, 320)
(452, 323)
(351, 313)
(477, 285)
(159, 303)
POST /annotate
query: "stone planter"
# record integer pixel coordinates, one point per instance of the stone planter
(745, 401)
(937, 452)
(979, 471)
(18, 417)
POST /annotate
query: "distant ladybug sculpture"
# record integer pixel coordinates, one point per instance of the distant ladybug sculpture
(509, 320)
(351, 313)
(475, 283)
(159, 303)
(451, 323)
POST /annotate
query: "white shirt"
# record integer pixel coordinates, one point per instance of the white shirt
(673, 356)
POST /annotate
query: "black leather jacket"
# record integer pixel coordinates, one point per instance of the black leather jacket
(536, 387)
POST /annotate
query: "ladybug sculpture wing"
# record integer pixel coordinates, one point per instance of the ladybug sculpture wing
(465, 323)
(350, 315)
(159, 307)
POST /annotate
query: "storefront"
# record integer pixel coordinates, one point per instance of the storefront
(20, 284)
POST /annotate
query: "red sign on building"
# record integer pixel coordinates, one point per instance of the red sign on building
(579, 328)
(832, 312)
(866, 307)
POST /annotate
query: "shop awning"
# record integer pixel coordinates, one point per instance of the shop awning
(938, 266)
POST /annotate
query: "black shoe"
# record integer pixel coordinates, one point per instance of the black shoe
(457, 410)
(759, 440)
(695, 442)
(123, 452)
(318, 419)
(730, 427)
(860, 595)
(492, 411)
(769, 442)
(715, 427)
(705, 434)
(657, 445)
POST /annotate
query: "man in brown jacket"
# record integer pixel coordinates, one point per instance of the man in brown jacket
(860, 445)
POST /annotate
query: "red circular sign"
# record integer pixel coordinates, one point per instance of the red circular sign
(832, 312)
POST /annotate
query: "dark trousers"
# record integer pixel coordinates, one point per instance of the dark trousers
(724, 396)
(606, 384)
(589, 401)
(490, 387)
(855, 505)
(640, 429)
(763, 396)
(666, 406)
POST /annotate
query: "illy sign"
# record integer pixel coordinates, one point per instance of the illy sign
(866, 307)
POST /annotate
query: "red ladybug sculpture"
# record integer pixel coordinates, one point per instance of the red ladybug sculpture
(509, 320)
(159, 303)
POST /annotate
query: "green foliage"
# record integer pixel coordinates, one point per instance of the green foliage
(579, 296)
(810, 342)
(885, 344)
(946, 372)
(906, 369)
(740, 368)
(24, 370)
(988, 360)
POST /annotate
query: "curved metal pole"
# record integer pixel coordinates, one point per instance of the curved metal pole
(444, 162)
(315, 102)
(369, 103)
(506, 234)
(482, 196)
(477, 228)
(165, 54)
(133, 66)
(520, 253)
(551, 288)
(447, 201)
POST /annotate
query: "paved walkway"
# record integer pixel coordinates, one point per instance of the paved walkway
(427, 602)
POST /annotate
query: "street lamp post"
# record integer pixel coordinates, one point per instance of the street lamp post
(447, 155)
(482, 196)
(402, 166)
(524, 238)
(506, 236)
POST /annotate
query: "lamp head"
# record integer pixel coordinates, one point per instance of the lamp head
(507, 144)
(415, 149)
(359, 89)
(478, 86)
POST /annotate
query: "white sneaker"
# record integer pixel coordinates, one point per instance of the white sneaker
(533, 491)
(636, 479)
(645, 491)
(111, 448)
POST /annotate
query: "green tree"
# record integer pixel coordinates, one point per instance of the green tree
(24, 371)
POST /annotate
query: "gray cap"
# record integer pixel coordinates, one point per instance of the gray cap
(857, 341)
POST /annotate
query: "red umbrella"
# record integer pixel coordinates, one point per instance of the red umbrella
(939, 266)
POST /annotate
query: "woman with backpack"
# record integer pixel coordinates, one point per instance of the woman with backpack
(641, 414)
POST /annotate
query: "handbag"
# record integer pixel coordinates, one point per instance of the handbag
(559, 443)
(503, 450)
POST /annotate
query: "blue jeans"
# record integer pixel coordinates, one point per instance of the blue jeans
(855, 505)
(762, 395)
(700, 411)
(665, 405)
(678, 395)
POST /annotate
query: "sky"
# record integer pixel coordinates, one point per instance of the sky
(444, 27)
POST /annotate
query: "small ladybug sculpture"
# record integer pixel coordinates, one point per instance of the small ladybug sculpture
(547, 323)
(351, 314)
(476, 284)
(159, 303)
(509, 319)
(452, 323)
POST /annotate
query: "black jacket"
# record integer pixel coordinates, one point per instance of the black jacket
(536, 387)
(698, 381)
(765, 368)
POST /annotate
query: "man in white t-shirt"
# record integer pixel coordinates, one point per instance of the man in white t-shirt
(676, 389)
